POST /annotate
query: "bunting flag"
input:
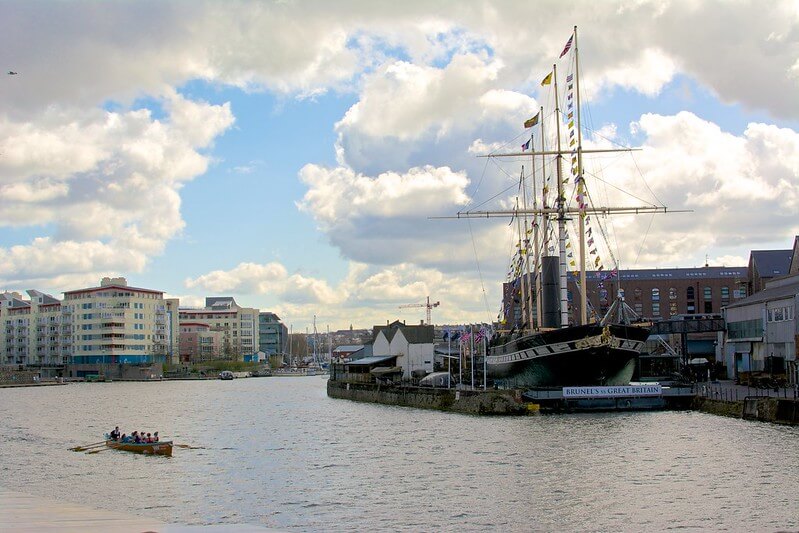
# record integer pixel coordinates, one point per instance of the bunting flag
(531, 122)
(596, 262)
(547, 80)
(567, 47)
(569, 78)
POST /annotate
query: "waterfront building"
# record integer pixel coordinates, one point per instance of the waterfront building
(116, 326)
(655, 294)
(413, 346)
(765, 265)
(238, 326)
(172, 331)
(199, 342)
(762, 331)
(272, 334)
(351, 352)
(35, 332)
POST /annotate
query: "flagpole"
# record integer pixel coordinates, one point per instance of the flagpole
(460, 361)
(449, 359)
(485, 353)
(471, 340)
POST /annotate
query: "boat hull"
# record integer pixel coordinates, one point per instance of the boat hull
(575, 356)
(154, 448)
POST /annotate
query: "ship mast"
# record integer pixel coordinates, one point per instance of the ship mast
(561, 209)
(536, 251)
(544, 225)
(526, 241)
(580, 191)
(523, 288)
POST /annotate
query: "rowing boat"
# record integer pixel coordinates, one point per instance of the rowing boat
(147, 448)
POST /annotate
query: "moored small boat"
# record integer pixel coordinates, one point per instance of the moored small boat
(147, 448)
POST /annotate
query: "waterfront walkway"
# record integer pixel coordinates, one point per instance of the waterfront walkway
(24, 513)
(729, 391)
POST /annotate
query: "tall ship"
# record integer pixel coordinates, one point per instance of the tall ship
(541, 346)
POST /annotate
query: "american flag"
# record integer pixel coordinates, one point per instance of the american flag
(568, 46)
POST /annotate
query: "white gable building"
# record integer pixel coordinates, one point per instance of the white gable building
(413, 346)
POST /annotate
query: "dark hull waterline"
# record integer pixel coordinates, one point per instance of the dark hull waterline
(573, 356)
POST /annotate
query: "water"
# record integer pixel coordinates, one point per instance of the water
(279, 453)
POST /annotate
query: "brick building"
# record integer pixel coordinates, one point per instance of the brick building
(657, 293)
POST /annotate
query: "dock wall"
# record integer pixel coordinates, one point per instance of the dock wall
(774, 410)
(499, 402)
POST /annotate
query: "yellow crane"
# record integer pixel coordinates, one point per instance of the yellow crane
(427, 305)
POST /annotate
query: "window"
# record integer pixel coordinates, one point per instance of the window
(656, 308)
(672, 293)
(672, 308)
(656, 295)
(725, 295)
(689, 293)
(637, 293)
(707, 293)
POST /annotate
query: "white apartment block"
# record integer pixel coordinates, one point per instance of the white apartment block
(115, 324)
(238, 326)
(34, 332)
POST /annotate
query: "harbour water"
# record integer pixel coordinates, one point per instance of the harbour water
(277, 452)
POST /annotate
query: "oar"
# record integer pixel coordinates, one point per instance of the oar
(100, 450)
(86, 446)
(188, 446)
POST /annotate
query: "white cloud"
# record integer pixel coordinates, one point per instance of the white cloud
(368, 293)
(743, 189)
(107, 182)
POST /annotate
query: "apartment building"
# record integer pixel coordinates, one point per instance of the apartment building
(200, 342)
(238, 326)
(35, 332)
(272, 334)
(116, 325)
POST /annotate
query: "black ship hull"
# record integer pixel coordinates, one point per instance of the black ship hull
(575, 356)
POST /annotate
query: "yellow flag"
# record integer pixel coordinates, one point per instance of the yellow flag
(531, 122)
(547, 80)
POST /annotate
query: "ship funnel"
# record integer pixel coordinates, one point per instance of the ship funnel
(550, 289)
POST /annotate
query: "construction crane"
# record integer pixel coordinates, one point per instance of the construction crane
(427, 305)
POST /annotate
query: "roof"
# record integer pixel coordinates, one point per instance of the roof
(375, 359)
(220, 301)
(650, 274)
(413, 334)
(787, 287)
(771, 263)
(348, 348)
(113, 286)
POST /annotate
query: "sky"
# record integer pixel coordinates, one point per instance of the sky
(294, 154)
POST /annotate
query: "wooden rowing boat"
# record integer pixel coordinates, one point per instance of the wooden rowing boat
(147, 448)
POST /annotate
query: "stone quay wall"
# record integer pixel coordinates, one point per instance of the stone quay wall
(774, 410)
(492, 402)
